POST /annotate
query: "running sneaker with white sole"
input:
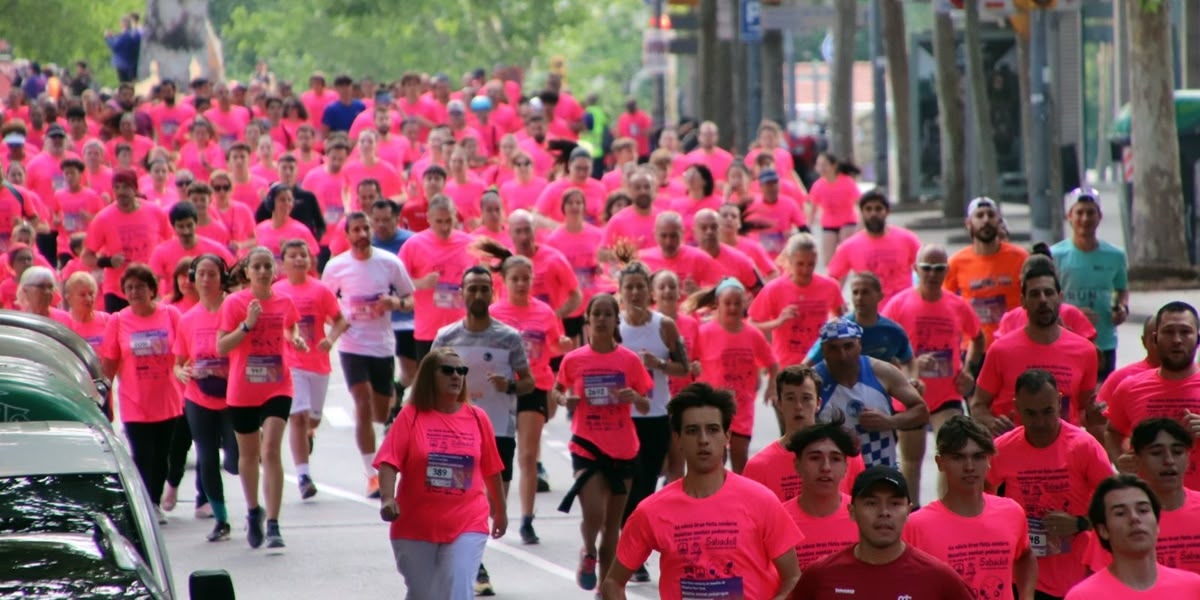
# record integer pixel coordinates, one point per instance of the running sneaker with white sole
(308, 489)
(373, 487)
(219, 533)
(585, 576)
(483, 583)
(274, 538)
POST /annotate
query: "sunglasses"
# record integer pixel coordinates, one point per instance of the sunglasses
(222, 188)
(448, 370)
(938, 268)
(182, 184)
(523, 163)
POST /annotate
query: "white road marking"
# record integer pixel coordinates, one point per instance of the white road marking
(337, 417)
(556, 444)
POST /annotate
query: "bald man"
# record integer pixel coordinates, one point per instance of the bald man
(937, 323)
(734, 263)
(695, 269)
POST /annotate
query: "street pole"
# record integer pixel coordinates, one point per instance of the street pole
(660, 78)
(789, 81)
(753, 112)
(879, 82)
(1039, 88)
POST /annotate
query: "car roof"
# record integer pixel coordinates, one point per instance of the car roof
(54, 448)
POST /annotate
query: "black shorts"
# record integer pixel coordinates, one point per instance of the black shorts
(958, 405)
(249, 419)
(535, 401)
(378, 370)
(507, 447)
(624, 468)
(1108, 363)
(406, 346)
(422, 348)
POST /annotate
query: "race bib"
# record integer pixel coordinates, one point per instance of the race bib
(264, 369)
(601, 389)
(941, 365)
(771, 241)
(362, 308)
(72, 222)
(447, 295)
(226, 141)
(534, 342)
(333, 215)
(449, 471)
(585, 276)
(711, 589)
(210, 367)
(148, 343)
(169, 127)
(59, 182)
(989, 310)
(1042, 543)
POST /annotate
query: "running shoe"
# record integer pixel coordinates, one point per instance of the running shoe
(641, 575)
(254, 526)
(373, 486)
(528, 536)
(586, 575)
(543, 484)
(170, 498)
(219, 533)
(274, 538)
(483, 583)
(308, 489)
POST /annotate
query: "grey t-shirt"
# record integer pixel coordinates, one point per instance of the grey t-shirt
(497, 350)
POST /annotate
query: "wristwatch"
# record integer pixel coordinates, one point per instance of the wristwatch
(1081, 523)
(245, 327)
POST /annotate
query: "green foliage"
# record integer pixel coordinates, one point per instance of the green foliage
(1151, 6)
(64, 31)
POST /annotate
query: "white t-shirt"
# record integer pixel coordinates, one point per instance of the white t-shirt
(358, 284)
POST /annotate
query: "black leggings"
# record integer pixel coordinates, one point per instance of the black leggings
(211, 430)
(654, 439)
(181, 443)
(150, 443)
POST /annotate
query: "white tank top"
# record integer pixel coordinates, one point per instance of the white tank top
(648, 338)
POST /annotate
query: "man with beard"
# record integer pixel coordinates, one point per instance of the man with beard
(635, 224)
(1042, 344)
(1172, 390)
(987, 274)
(888, 251)
(369, 284)
(498, 372)
(169, 117)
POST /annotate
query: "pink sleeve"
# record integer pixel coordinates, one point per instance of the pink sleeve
(1077, 322)
(1005, 324)
(636, 541)
(763, 306)
(989, 379)
(781, 531)
(762, 350)
(839, 265)
(94, 239)
(110, 346)
(232, 314)
(395, 445)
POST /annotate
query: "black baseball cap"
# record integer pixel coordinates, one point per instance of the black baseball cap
(879, 474)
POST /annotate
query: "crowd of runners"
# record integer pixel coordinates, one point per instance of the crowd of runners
(518, 255)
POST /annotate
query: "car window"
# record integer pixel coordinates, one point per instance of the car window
(54, 571)
(65, 503)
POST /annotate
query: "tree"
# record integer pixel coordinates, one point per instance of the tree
(841, 89)
(895, 46)
(63, 32)
(950, 116)
(1159, 244)
(984, 173)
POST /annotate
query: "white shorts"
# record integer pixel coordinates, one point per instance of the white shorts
(308, 392)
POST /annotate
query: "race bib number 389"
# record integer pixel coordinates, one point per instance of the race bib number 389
(449, 471)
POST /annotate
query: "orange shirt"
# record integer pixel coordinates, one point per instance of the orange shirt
(991, 284)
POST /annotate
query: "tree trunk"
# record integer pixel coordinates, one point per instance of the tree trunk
(986, 176)
(895, 46)
(706, 59)
(950, 116)
(176, 33)
(841, 89)
(1159, 245)
(773, 108)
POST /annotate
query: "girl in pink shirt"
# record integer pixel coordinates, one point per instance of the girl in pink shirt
(578, 241)
(137, 350)
(492, 222)
(731, 352)
(237, 217)
(73, 206)
(201, 155)
(835, 194)
(443, 450)
(793, 308)
(464, 188)
(281, 227)
(523, 190)
(543, 337)
(600, 382)
(255, 324)
(204, 375)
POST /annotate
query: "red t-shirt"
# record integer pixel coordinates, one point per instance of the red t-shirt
(822, 535)
(1071, 359)
(915, 574)
(775, 468)
(722, 546)
(316, 306)
(815, 303)
(257, 371)
(732, 361)
(600, 417)
(1148, 395)
(1171, 583)
(197, 342)
(142, 346)
(935, 328)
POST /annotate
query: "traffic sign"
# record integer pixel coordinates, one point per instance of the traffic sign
(751, 21)
(800, 18)
(655, 47)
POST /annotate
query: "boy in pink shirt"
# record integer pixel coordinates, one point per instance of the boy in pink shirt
(823, 455)
(717, 533)
(185, 244)
(72, 207)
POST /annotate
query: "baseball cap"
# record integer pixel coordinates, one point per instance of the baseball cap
(479, 103)
(55, 129)
(455, 106)
(879, 474)
(1080, 194)
(580, 152)
(982, 202)
(768, 176)
(841, 329)
(14, 139)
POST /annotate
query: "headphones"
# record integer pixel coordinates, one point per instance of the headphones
(214, 258)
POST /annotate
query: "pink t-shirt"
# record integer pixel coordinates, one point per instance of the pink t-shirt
(215, 230)
(515, 194)
(100, 180)
(167, 255)
(91, 331)
(815, 304)
(466, 197)
(837, 200)
(783, 161)
(331, 190)
(732, 361)
(72, 211)
(636, 125)
(687, 207)
(717, 161)
(549, 202)
(630, 225)
(737, 265)
(781, 218)
(197, 342)
(315, 103)
(762, 261)
(142, 346)
(1071, 318)
(1171, 583)
(936, 328)
(1059, 477)
(436, 307)
(822, 535)
(601, 418)
(1071, 359)
(443, 460)
(695, 268)
(1104, 396)
(44, 174)
(722, 546)
(387, 175)
(775, 468)
(168, 122)
(1148, 395)
(1178, 538)
(689, 328)
(539, 327)
(553, 277)
(238, 219)
(230, 124)
(579, 248)
(316, 306)
(266, 234)
(133, 235)
(981, 549)
(250, 192)
(193, 158)
(257, 371)
(890, 257)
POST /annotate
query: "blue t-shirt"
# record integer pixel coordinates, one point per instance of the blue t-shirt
(1089, 280)
(402, 320)
(886, 340)
(339, 117)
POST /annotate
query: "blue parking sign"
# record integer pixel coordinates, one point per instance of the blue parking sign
(752, 21)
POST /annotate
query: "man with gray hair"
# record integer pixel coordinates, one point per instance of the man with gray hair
(695, 268)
